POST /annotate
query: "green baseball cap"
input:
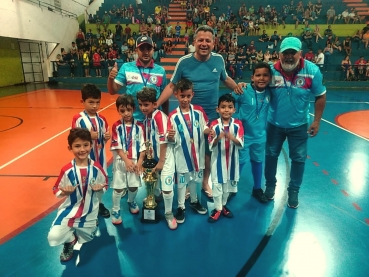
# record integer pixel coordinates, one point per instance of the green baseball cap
(291, 43)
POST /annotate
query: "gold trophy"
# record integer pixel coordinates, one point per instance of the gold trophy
(150, 212)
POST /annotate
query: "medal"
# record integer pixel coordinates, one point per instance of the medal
(191, 140)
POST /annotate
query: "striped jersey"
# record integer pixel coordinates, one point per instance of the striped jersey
(224, 164)
(99, 123)
(80, 208)
(129, 138)
(289, 105)
(155, 130)
(135, 77)
(252, 109)
(189, 147)
(205, 77)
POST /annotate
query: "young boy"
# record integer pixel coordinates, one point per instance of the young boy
(225, 140)
(186, 126)
(128, 147)
(155, 129)
(98, 127)
(80, 182)
(253, 111)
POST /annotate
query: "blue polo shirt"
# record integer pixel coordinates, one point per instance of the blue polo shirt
(290, 96)
(135, 77)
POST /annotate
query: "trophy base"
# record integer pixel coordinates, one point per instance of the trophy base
(150, 215)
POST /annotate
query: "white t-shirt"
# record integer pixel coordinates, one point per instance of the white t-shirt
(320, 59)
(345, 14)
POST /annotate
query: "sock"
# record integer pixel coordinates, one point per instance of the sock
(193, 191)
(157, 190)
(217, 202)
(257, 171)
(132, 195)
(181, 191)
(168, 202)
(116, 200)
(225, 198)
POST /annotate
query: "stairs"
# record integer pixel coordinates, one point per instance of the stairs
(176, 15)
(361, 7)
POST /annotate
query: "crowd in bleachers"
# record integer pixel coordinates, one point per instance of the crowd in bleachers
(244, 35)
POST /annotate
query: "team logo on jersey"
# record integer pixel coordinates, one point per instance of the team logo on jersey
(136, 136)
(180, 128)
(153, 80)
(234, 184)
(300, 81)
(168, 181)
(93, 182)
(200, 174)
(196, 124)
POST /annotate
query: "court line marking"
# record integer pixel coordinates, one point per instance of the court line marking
(335, 125)
(42, 143)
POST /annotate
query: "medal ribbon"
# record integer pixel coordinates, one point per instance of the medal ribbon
(257, 103)
(83, 194)
(144, 80)
(129, 138)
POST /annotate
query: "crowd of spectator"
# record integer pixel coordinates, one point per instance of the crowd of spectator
(116, 44)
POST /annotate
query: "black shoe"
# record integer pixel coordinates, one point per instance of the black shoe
(226, 212)
(104, 212)
(214, 216)
(259, 195)
(269, 192)
(67, 252)
(180, 215)
(293, 199)
(198, 207)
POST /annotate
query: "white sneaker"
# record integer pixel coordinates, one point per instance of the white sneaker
(133, 207)
(115, 218)
(172, 222)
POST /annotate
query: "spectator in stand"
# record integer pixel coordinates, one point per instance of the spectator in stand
(96, 58)
(331, 15)
(242, 11)
(86, 63)
(127, 31)
(168, 47)
(118, 13)
(328, 32)
(130, 11)
(139, 6)
(318, 7)
(317, 34)
(264, 37)
(347, 68)
(345, 16)
(106, 20)
(320, 59)
(357, 38)
(347, 46)
(360, 67)
(124, 11)
(113, 10)
(80, 36)
(251, 46)
(337, 44)
(131, 43)
(328, 51)
(307, 37)
(118, 31)
(365, 38)
(310, 56)
(275, 38)
(98, 22)
(74, 51)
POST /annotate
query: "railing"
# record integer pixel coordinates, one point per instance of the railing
(52, 8)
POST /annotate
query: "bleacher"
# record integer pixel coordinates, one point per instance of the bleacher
(334, 70)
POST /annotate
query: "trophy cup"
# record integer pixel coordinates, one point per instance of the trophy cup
(150, 212)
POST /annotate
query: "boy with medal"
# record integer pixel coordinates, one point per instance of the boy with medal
(155, 125)
(81, 182)
(128, 147)
(253, 112)
(187, 125)
(98, 127)
(225, 141)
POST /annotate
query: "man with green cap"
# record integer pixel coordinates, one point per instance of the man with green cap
(294, 80)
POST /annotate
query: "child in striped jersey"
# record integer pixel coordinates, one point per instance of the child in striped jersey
(186, 127)
(81, 181)
(225, 141)
(155, 130)
(128, 147)
(98, 127)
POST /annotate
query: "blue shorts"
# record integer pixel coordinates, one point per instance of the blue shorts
(256, 152)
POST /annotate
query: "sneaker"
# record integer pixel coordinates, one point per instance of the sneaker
(133, 207)
(214, 216)
(198, 207)
(269, 192)
(180, 216)
(226, 212)
(115, 218)
(259, 195)
(104, 212)
(67, 252)
(172, 222)
(293, 199)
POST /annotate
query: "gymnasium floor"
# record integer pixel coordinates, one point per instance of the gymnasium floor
(326, 236)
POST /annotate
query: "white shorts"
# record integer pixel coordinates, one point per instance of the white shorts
(185, 178)
(219, 189)
(60, 234)
(122, 178)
